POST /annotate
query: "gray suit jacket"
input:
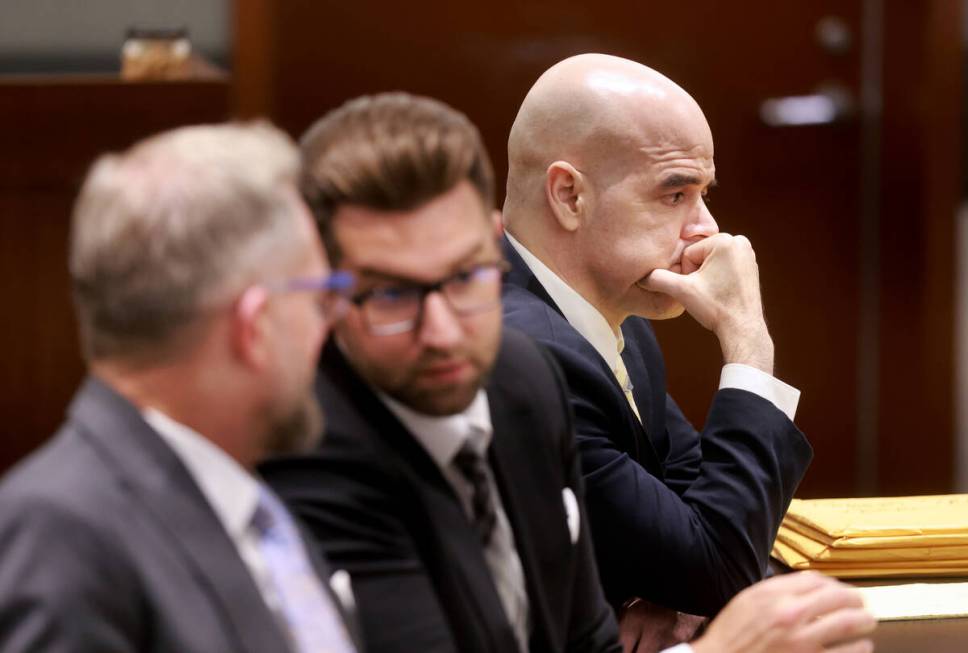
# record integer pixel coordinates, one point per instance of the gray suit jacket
(107, 545)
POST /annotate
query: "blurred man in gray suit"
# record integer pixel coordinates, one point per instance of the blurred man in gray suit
(203, 297)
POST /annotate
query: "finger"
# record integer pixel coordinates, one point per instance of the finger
(697, 252)
(628, 642)
(830, 598)
(665, 281)
(840, 626)
(686, 627)
(825, 599)
(745, 243)
(629, 632)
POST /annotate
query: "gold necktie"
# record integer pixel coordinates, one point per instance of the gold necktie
(622, 375)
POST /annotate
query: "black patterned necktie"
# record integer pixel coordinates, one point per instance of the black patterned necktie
(474, 469)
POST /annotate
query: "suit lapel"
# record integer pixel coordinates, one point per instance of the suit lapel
(164, 488)
(642, 395)
(639, 375)
(521, 275)
(509, 458)
(643, 449)
(464, 561)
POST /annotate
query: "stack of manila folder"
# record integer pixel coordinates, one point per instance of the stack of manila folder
(881, 537)
(889, 537)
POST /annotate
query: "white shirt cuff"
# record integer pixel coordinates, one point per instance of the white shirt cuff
(751, 379)
(680, 648)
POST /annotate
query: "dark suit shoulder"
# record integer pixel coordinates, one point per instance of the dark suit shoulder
(528, 384)
(521, 360)
(528, 313)
(66, 473)
(63, 567)
(571, 351)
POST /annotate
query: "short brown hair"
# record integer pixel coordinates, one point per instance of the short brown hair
(173, 226)
(390, 152)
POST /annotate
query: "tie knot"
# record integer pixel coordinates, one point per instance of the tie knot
(270, 517)
(470, 462)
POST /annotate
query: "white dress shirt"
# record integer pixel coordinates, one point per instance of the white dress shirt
(587, 321)
(231, 491)
(442, 438)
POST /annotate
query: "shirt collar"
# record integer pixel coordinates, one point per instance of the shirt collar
(443, 437)
(580, 314)
(232, 491)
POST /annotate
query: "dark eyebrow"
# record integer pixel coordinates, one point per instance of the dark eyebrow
(679, 180)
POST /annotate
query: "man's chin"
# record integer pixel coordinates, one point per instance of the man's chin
(657, 306)
(675, 309)
(440, 402)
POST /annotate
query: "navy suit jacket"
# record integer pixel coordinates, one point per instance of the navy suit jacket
(683, 520)
(107, 544)
(381, 509)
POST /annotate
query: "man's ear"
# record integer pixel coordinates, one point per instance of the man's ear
(498, 221)
(249, 328)
(564, 190)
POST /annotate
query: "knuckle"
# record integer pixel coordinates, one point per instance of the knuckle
(786, 616)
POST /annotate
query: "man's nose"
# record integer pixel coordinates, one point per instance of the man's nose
(440, 326)
(703, 224)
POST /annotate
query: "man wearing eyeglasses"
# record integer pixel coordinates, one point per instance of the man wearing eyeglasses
(448, 483)
(203, 297)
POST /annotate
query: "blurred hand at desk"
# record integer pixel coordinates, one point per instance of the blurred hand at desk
(794, 613)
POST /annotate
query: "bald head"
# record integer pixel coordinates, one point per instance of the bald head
(609, 163)
(590, 110)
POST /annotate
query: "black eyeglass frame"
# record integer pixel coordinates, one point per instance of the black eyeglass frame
(421, 291)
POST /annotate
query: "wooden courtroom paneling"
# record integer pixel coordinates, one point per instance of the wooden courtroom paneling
(51, 129)
(922, 173)
(872, 354)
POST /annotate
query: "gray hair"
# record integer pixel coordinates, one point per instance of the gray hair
(172, 227)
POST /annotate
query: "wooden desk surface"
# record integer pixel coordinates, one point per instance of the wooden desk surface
(922, 636)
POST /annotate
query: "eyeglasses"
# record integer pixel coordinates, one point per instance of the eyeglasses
(333, 291)
(389, 310)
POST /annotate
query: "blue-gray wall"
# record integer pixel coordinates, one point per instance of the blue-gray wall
(85, 35)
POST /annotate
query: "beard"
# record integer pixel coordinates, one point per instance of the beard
(297, 429)
(441, 401)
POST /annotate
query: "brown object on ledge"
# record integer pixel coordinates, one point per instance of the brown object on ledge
(163, 55)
